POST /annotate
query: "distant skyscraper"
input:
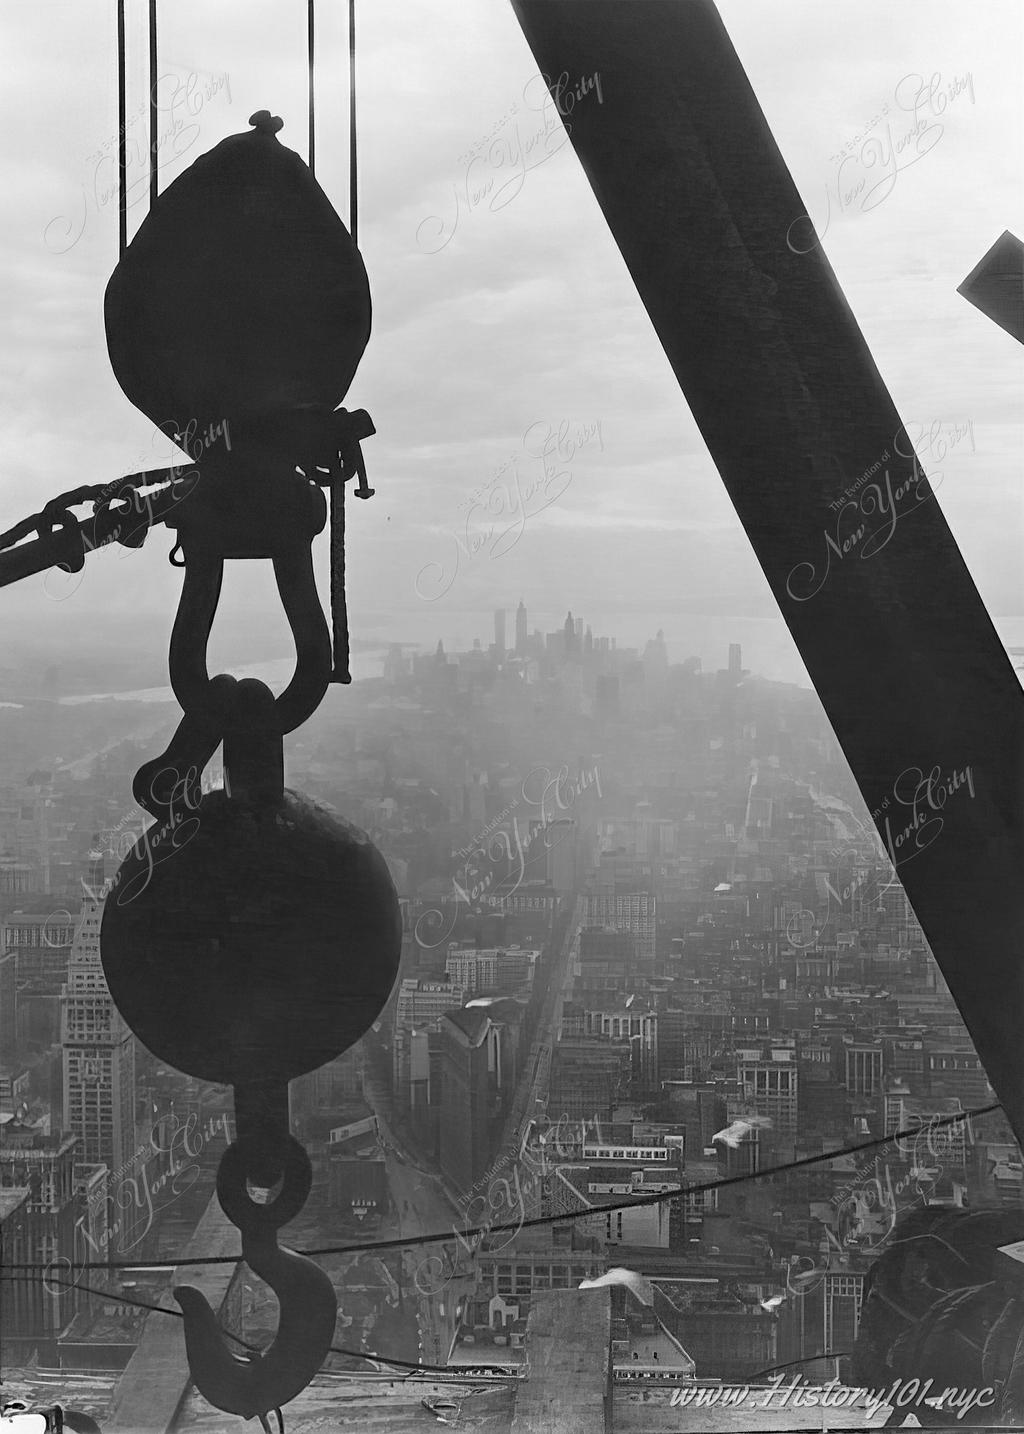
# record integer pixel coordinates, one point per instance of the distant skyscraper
(98, 1054)
(499, 632)
(656, 657)
(570, 636)
(521, 629)
(394, 665)
(735, 659)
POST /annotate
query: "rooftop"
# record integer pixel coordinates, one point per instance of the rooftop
(358, 1402)
(470, 1021)
(569, 1388)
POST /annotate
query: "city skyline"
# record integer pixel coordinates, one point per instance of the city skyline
(648, 942)
(562, 1006)
(645, 519)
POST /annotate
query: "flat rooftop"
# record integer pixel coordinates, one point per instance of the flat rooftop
(389, 1404)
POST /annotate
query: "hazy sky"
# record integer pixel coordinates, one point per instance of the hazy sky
(521, 315)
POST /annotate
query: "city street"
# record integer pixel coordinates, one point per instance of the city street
(423, 1208)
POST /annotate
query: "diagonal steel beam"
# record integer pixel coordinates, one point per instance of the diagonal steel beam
(812, 451)
(996, 285)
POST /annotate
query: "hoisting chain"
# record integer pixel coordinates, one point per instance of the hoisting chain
(63, 540)
(123, 513)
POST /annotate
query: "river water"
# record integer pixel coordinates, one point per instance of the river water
(276, 673)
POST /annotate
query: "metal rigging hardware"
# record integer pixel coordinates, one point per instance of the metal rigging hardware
(270, 944)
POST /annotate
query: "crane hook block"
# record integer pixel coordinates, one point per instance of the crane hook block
(242, 298)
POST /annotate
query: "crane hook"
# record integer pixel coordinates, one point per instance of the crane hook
(308, 1307)
(308, 1316)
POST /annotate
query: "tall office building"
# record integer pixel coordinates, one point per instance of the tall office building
(768, 1084)
(521, 637)
(499, 633)
(478, 1077)
(735, 659)
(467, 1104)
(98, 1054)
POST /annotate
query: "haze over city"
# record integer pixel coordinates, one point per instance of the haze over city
(560, 990)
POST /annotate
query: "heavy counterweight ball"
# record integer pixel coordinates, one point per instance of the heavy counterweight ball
(245, 942)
